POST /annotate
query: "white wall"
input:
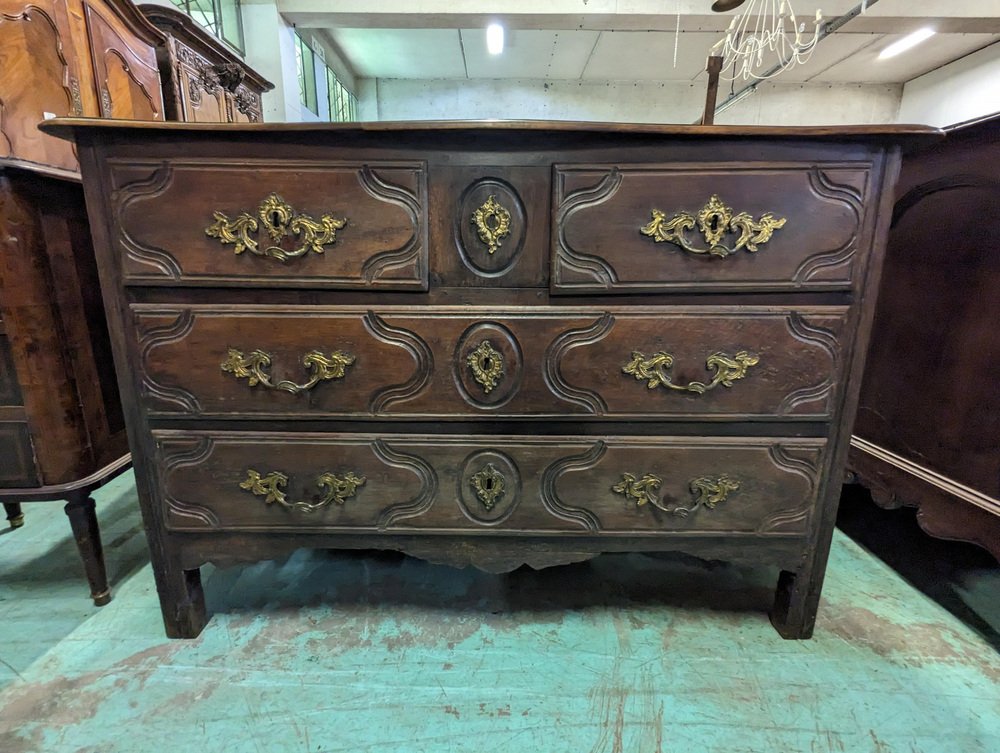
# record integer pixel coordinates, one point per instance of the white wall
(966, 89)
(650, 102)
(815, 105)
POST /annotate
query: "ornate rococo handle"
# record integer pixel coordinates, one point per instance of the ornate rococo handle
(654, 370)
(280, 221)
(252, 368)
(705, 492)
(714, 220)
(271, 488)
(492, 221)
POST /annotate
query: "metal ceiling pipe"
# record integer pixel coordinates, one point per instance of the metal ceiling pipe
(826, 30)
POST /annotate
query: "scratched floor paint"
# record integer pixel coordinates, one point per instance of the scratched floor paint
(364, 653)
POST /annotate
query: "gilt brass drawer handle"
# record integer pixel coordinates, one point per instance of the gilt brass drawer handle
(486, 363)
(643, 490)
(252, 367)
(280, 221)
(271, 488)
(705, 492)
(654, 370)
(489, 485)
(708, 492)
(492, 223)
(714, 220)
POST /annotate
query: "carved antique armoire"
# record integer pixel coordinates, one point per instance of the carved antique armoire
(489, 344)
(62, 432)
(203, 80)
(927, 433)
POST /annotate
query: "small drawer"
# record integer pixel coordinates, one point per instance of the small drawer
(17, 454)
(649, 228)
(749, 363)
(487, 485)
(10, 389)
(271, 223)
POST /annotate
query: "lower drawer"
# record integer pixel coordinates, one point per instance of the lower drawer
(486, 485)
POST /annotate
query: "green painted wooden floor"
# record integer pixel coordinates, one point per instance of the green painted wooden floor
(329, 652)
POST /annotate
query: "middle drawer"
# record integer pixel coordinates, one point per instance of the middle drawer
(728, 363)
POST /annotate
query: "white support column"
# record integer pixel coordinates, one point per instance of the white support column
(270, 49)
(367, 93)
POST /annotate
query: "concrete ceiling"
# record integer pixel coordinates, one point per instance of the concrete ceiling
(626, 40)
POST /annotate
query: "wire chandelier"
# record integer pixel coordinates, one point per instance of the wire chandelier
(764, 39)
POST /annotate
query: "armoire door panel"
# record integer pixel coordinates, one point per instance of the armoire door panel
(39, 79)
(127, 77)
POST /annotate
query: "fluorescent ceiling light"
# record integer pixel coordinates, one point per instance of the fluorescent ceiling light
(906, 43)
(494, 39)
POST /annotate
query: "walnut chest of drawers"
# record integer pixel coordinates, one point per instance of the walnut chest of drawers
(489, 344)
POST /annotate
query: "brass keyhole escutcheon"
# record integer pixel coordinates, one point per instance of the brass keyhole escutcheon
(490, 485)
(486, 363)
(492, 222)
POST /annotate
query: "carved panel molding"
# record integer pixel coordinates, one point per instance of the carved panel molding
(164, 335)
(416, 347)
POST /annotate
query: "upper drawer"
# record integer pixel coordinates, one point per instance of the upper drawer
(268, 223)
(684, 228)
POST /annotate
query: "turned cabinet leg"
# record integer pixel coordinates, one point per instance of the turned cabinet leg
(83, 520)
(182, 600)
(14, 514)
(795, 603)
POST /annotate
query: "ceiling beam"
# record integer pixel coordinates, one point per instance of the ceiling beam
(887, 17)
(526, 14)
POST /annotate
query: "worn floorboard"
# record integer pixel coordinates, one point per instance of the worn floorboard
(375, 652)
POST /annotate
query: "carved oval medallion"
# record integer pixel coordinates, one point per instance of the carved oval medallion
(489, 487)
(488, 365)
(490, 227)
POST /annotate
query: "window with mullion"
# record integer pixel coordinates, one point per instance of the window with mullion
(319, 88)
(221, 17)
(306, 63)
